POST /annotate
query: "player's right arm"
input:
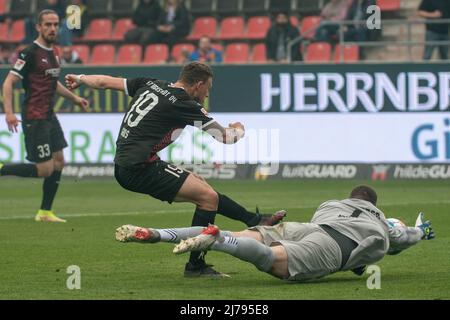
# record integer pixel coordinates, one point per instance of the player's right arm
(230, 135)
(8, 87)
(73, 81)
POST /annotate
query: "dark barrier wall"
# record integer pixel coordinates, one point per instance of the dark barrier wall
(291, 88)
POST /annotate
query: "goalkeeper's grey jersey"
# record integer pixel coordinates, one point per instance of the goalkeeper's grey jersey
(362, 222)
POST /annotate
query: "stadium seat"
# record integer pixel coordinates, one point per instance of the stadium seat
(103, 54)
(227, 7)
(123, 8)
(178, 49)
(203, 26)
(231, 28)
(201, 7)
(350, 53)
(259, 53)
(389, 5)
(83, 52)
(280, 5)
(318, 52)
(17, 31)
(236, 53)
(309, 25)
(257, 27)
(121, 27)
(99, 30)
(98, 8)
(20, 8)
(2, 7)
(253, 7)
(217, 46)
(294, 21)
(156, 54)
(129, 54)
(4, 31)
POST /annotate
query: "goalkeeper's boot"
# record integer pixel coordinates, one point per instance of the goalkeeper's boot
(271, 219)
(201, 242)
(129, 233)
(47, 216)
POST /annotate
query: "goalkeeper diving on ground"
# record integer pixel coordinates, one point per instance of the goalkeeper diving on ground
(343, 235)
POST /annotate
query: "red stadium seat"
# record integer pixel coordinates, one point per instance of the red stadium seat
(217, 46)
(99, 30)
(17, 31)
(259, 53)
(257, 27)
(156, 54)
(236, 53)
(129, 54)
(318, 52)
(178, 49)
(232, 28)
(83, 52)
(389, 5)
(350, 53)
(121, 27)
(103, 54)
(4, 32)
(309, 25)
(3, 6)
(205, 26)
(294, 21)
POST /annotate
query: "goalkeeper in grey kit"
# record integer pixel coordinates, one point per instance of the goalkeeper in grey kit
(342, 235)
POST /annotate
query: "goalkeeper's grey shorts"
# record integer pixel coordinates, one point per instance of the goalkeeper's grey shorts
(312, 252)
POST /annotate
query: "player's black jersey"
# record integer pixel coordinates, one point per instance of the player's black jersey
(156, 114)
(39, 69)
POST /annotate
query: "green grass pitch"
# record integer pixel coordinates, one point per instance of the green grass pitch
(34, 256)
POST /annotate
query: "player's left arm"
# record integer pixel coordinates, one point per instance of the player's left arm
(63, 91)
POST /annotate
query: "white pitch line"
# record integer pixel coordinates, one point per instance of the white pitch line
(420, 205)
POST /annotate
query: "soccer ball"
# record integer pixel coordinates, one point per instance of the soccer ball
(394, 223)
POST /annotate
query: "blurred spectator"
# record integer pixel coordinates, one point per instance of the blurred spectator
(334, 11)
(205, 52)
(435, 9)
(358, 30)
(173, 23)
(279, 35)
(145, 18)
(4, 55)
(64, 33)
(69, 56)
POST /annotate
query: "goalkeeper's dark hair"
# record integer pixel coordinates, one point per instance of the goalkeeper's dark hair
(195, 72)
(364, 193)
(43, 13)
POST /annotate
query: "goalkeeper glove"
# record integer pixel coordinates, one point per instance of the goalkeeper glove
(425, 226)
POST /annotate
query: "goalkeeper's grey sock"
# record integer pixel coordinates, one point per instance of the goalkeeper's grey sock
(247, 249)
(177, 234)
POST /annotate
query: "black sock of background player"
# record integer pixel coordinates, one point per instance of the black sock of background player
(201, 219)
(26, 170)
(50, 187)
(235, 211)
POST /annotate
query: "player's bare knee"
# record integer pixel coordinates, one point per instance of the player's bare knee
(209, 200)
(45, 169)
(59, 164)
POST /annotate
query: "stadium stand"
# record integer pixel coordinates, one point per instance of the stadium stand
(156, 54)
(20, 9)
(227, 7)
(17, 31)
(280, 5)
(309, 25)
(99, 8)
(129, 54)
(389, 5)
(4, 32)
(254, 7)
(259, 53)
(99, 30)
(103, 54)
(257, 27)
(231, 28)
(178, 49)
(318, 52)
(203, 26)
(236, 53)
(121, 27)
(123, 8)
(83, 52)
(201, 7)
(2, 6)
(350, 53)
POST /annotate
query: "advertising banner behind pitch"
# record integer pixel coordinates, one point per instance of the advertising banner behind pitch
(270, 138)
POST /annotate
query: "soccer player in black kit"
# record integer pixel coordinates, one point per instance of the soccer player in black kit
(38, 67)
(158, 110)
